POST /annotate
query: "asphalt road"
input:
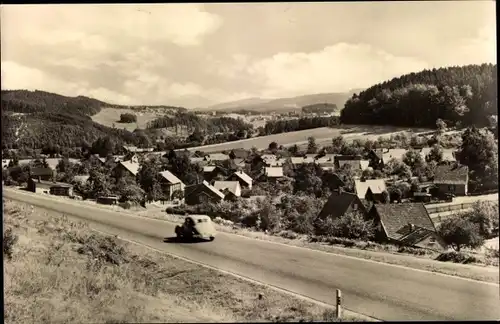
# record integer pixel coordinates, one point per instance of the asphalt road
(374, 289)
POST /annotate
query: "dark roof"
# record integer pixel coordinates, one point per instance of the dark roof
(378, 153)
(50, 184)
(451, 174)
(415, 236)
(337, 204)
(395, 217)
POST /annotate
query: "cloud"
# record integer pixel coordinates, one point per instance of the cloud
(336, 68)
(99, 27)
(16, 76)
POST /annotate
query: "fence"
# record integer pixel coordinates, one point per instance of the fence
(448, 208)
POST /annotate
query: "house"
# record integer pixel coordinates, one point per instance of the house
(127, 167)
(340, 203)
(373, 187)
(359, 165)
(51, 187)
(211, 172)
(406, 224)
(297, 161)
(311, 156)
(46, 174)
(273, 173)
(451, 179)
(170, 183)
(376, 158)
(244, 179)
(231, 189)
(202, 193)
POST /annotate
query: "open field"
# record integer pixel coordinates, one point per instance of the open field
(62, 271)
(322, 135)
(111, 116)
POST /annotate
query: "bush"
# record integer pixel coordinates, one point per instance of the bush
(105, 249)
(128, 118)
(459, 232)
(412, 250)
(125, 205)
(457, 257)
(9, 240)
(350, 225)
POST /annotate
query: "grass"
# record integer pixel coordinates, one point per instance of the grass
(322, 135)
(62, 271)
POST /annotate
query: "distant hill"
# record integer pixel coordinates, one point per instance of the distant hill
(283, 104)
(459, 95)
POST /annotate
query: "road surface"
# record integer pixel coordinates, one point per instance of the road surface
(379, 290)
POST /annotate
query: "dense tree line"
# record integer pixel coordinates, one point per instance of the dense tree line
(320, 108)
(209, 125)
(291, 125)
(464, 95)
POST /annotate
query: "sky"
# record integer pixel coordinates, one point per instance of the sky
(196, 55)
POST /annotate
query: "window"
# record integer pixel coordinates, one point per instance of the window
(355, 206)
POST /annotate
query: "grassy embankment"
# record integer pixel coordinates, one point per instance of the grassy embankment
(57, 270)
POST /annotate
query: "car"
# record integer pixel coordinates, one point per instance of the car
(196, 227)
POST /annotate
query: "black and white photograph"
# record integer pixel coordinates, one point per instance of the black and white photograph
(250, 162)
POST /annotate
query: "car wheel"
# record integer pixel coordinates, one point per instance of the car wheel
(212, 238)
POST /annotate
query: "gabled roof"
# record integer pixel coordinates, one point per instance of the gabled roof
(297, 160)
(274, 172)
(243, 176)
(394, 154)
(379, 153)
(268, 156)
(451, 174)
(170, 177)
(131, 166)
(232, 186)
(376, 185)
(311, 156)
(414, 236)
(337, 204)
(50, 184)
(213, 189)
(309, 159)
(395, 217)
(355, 164)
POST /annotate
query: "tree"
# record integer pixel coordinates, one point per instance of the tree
(485, 215)
(338, 143)
(178, 194)
(312, 147)
(351, 225)
(98, 184)
(440, 125)
(413, 159)
(128, 190)
(294, 149)
(307, 179)
(458, 232)
(148, 178)
(435, 154)
(273, 146)
(128, 118)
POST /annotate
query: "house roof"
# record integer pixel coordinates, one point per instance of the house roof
(355, 164)
(413, 237)
(81, 178)
(337, 204)
(218, 157)
(311, 156)
(377, 186)
(274, 172)
(132, 167)
(379, 153)
(196, 159)
(170, 177)
(297, 160)
(243, 176)
(451, 174)
(50, 184)
(208, 168)
(213, 189)
(395, 217)
(232, 186)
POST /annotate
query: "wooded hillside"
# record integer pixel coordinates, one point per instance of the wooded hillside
(464, 96)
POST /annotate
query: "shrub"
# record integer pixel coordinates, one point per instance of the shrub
(128, 118)
(125, 205)
(9, 240)
(412, 250)
(104, 248)
(457, 257)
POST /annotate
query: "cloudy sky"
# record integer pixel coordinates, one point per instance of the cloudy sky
(194, 55)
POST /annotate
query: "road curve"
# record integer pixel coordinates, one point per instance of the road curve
(374, 289)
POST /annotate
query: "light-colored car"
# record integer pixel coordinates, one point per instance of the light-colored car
(196, 226)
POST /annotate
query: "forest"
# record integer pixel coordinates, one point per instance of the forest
(460, 96)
